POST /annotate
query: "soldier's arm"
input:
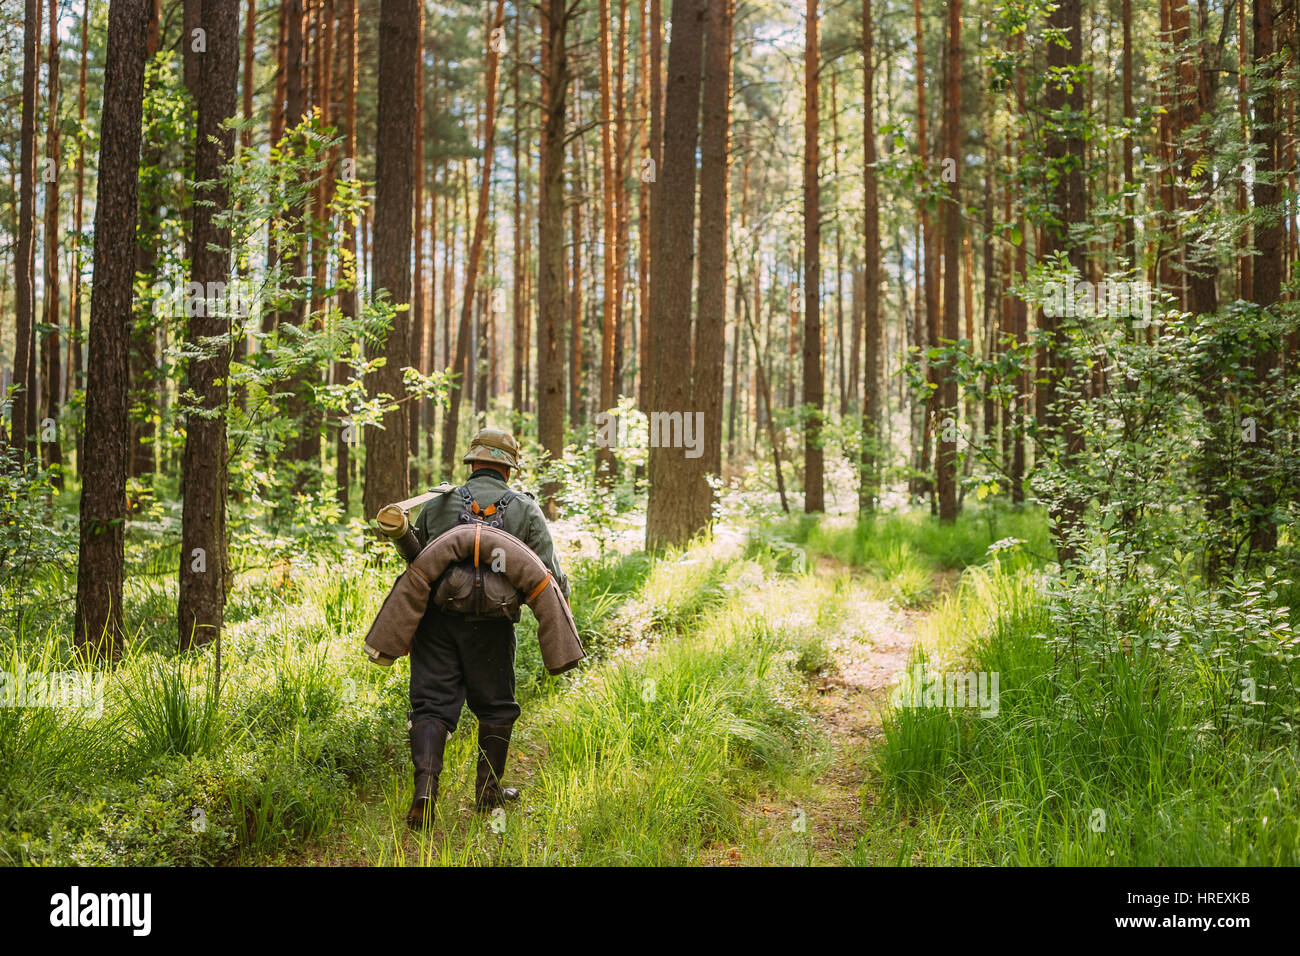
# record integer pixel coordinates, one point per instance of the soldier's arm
(538, 537)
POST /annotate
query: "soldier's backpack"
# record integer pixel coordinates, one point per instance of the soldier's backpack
(477, 589)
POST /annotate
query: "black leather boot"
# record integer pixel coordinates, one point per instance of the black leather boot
(428, 739)
(493, 744)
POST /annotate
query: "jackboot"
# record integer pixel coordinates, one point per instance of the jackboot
(428, 740)
(493, 745)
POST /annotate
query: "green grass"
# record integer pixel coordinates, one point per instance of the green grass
(903, 553)
(645, 750)
(687, 736)
(1109, 757)
(649, 760)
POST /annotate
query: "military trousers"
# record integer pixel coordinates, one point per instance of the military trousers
(455, 661)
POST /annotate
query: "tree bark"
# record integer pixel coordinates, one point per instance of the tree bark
(204, 565)
(869, 472)
(452, 420)
(386, 475)
(577, 201)
(813, 381)
(1064, 151)
(1270, 240)
(550, 240)
(605, 463)
(710, 356)
(668, 511)
(75, 377)
(419, 321)
(654, 152)
(946, 443)
(927, 327)
(99, 629)
(348, 295)
(23, 412)
(51, 451)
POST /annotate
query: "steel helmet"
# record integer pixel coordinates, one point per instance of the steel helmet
(495, 445)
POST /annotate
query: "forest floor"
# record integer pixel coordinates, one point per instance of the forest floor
(846, 699)
(813, 810)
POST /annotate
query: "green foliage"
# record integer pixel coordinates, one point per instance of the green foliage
(1107, 748)
(37, 542)
(170, 712)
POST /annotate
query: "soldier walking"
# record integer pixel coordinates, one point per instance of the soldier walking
(456, 659)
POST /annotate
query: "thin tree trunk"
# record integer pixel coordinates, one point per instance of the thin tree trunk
(946, 443)
(621, 204)
(654, 149)
(710, 355)
(839, 257)
(577, 361)
(869, 473)
(1064, 151)
(764, 388)
(419, 333)
(813, 388)
(23, 413)
(75, 376)
(452, 421)
(1270, 242)
(347, 433)
(51, 451)
(925, 329)
(519, 356)
(605, 463)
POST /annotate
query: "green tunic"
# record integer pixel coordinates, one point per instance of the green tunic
(523, 519)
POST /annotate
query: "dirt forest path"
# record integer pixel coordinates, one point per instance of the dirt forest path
(867, 651)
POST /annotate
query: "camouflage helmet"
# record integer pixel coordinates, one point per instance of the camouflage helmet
(494, 445)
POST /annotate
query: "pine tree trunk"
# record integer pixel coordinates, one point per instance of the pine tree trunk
(386, 473)
(519, 357)
(347, 433)
(813, 388)
(51, 452)
(840, 357)
(710, 354)
(605, 463)
(946, 441)
(668, 511)
(1065, 151)
(452, 421)
(99, 627)
(550, 239)
(75, 376)
(869, 477)
(926, 324)
(621, 204)
(23, 412)
(654, 151)
(419, 333)
(1270, 243)
(577, 359)
(204, 564)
